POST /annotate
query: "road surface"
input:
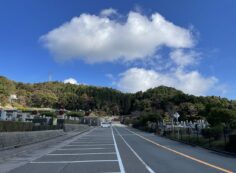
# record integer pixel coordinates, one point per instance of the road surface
(127, 150)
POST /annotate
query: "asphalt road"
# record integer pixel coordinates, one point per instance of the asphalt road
(122, 149)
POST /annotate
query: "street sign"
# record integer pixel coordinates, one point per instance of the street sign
(176, 115)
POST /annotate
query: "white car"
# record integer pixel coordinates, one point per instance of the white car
(105, 124)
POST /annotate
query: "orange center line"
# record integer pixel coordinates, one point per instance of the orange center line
(182, 154)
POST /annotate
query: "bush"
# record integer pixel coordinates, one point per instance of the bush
(41, 121)
(232, 139)
(75, 114)
(213, 132)
(233, 125)
(12, 126)
(231, 146)
(49, 114)
(127, 121)
(206, 133)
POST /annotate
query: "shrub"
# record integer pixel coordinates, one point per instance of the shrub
(75, 114)
(231, 146)
(49, 114)
(213, 132)
(46, 127)
(12, 126)
(232, 139)
(206, 133)
(41, 121)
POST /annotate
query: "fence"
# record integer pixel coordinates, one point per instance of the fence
(216, 139)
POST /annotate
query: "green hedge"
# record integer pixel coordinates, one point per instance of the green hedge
(14, 126)
(231, 146)
(75, 114)
(214, 132)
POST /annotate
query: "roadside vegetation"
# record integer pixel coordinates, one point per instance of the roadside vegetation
(141, 109)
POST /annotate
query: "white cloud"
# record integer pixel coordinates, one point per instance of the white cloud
(100, 39)
(184, 58)
(71, 81)
(108, 12)
(139, 79)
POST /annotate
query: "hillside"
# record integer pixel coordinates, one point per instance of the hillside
(110, 101)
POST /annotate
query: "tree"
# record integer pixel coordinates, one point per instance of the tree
(7, 88)
(220, 115)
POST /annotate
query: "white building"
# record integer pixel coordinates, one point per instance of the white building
(12, 97)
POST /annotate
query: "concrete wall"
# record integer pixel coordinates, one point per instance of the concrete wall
(73, 127)
(11, 139)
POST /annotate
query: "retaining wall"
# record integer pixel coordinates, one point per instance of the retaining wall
(73, 127)
(14, 139)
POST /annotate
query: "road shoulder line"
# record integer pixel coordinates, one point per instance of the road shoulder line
(122, 170)
(139, 158)
(182, 154)
(73, 161)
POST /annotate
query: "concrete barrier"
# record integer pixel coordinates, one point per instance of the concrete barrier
(73, 127)
(14, 139)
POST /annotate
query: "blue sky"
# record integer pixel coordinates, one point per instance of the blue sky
(189, 45)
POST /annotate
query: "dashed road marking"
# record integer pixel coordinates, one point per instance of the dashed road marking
(75, 161)
(81, 148)
(91, 145)
(81, 154)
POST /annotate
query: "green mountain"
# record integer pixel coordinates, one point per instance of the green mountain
(110, 101)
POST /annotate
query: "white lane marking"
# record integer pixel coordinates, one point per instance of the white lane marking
(93, 140)
(97, 142)
(182, 154)
(100, 136)
(91, 137)
(90, 145)
(81, 148)
(109, 172)
(86, 144)
(141, 160)
(122, 170)
(81, 154)
(75, 161)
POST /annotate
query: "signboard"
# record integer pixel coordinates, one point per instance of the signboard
(176, 115)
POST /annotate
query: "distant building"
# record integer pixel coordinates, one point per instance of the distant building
(12, 98)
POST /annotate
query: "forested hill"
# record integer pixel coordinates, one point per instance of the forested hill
(110, 101)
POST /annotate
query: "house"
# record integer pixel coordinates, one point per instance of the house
(12, 98)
